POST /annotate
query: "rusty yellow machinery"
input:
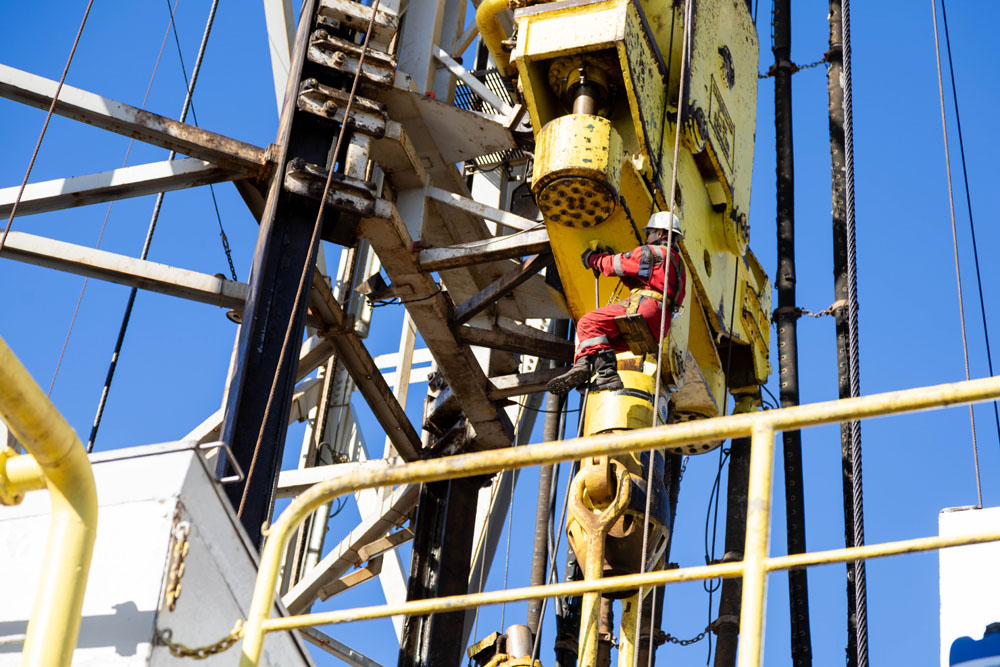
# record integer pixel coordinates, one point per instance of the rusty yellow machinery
(605, 84)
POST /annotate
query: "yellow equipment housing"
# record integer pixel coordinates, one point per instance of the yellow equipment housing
(599, 175)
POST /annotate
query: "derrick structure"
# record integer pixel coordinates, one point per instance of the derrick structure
(647, 109)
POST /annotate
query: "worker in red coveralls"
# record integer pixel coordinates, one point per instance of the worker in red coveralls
(643, 270)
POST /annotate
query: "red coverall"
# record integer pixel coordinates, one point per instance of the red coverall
(640, 269)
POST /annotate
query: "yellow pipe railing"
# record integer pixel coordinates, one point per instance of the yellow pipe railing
(492, 34)
(55, 456)
(761, 426)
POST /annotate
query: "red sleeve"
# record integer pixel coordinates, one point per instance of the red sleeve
(622, 264)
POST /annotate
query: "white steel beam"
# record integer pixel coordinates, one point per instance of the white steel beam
(344, 556)
(121, 183)
(107, 114)
(336, 648)
(293, 482)
(477, 86)
(172, 281)
(491, 213)
(280, 35)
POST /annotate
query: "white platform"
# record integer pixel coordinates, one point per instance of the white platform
(143, 492)
(970, 577)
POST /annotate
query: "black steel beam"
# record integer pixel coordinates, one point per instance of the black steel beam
(439, 566)
(786, 318)
(279, 260)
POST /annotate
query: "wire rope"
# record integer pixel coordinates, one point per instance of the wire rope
(45, 126)
(685, 63)
(954, 238)
(968, 204)
(310, 260)
(151, 229)
(857, 487)
(107, 214)
(211, 188)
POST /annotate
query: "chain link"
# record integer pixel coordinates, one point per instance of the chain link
(667, 637)
(799, 312)
(179, 650)
(795, 68)
(178, 553)
(229, 253)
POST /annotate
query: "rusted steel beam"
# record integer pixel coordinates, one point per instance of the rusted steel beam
(500, 288)
(364, 371)
(477, 252)
(132, 122)
(431, 312)
(520, 343)
(142, 274)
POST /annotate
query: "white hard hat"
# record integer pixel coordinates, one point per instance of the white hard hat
(664, 220)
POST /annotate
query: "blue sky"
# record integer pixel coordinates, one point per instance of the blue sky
(174, 362)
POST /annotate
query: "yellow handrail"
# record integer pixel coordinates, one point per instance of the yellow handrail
(58, 457)
(762, 426)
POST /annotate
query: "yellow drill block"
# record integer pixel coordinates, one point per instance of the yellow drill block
(577, 170)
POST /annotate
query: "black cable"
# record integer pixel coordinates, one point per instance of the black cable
(968, 203)
(211, 188)
(127, 315)
(381, 303)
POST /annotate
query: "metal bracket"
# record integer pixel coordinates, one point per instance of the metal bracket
(239, 476)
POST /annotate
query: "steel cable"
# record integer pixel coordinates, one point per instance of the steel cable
(107, 214)
(310, 260)
(211, 188)
(127, 315)
(860, 584)
(45, 126)
(954, 238)
(685, 62)
(968, 204)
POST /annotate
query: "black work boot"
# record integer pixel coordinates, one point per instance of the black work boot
(606, 376)
(574, 377)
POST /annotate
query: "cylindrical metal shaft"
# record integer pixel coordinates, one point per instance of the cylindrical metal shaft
(787, 316)
(540, 557)
(736, 527)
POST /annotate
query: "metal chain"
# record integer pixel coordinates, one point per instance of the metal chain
(795, 68)
(178, 553)
(799, 312)
(179, 650)
(669, 638)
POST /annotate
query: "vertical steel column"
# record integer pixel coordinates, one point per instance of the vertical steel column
(786, 317)
(439, 567)
(758, 536)
(736, 526)
(280, 255)
(838, 173)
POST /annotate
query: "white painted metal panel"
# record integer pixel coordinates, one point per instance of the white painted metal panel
(970, 580)
(142, 492)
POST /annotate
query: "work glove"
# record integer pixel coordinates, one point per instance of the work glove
(594, 249)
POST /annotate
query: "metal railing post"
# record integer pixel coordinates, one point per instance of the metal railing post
(757, 543)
